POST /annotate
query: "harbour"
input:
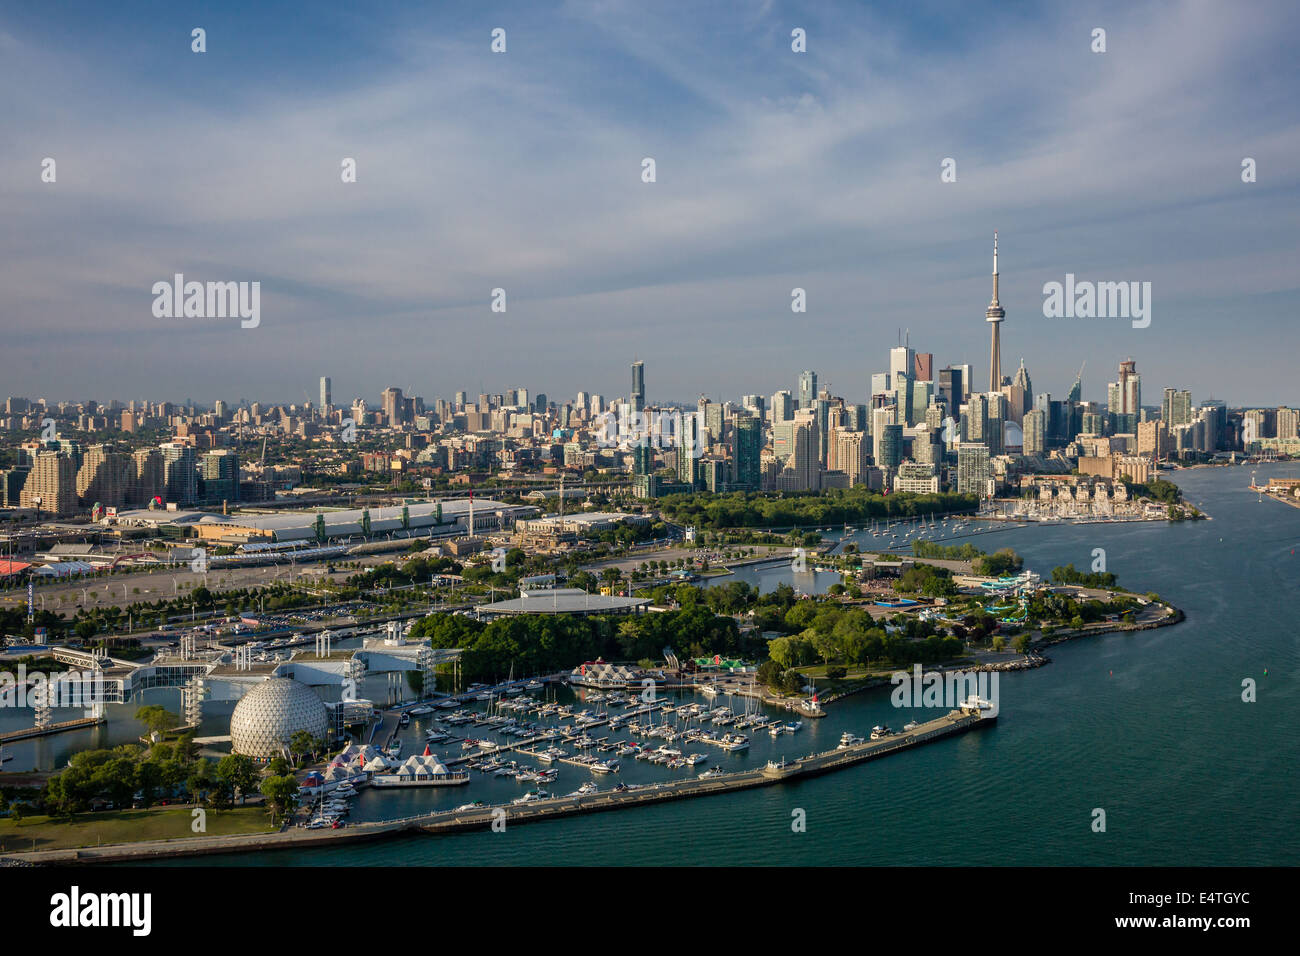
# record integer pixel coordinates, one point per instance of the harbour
(973, 715)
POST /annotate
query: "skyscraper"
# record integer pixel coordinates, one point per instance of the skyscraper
(994, 315)
(638, 386)
(326, 397)
(749, 448)
(51, 485)
(807, 388)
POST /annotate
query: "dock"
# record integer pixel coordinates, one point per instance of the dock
(452, 821)
(81, 723)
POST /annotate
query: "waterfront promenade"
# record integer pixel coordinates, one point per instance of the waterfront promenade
(451, 821)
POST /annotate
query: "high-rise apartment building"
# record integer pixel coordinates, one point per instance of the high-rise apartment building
(974, 470)
(326, 394)
(51, 485)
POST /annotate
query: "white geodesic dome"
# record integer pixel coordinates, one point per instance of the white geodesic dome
(272, 712)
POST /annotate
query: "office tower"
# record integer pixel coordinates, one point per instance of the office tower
(690, 448)
(461, 399)
(902, 396)
(540, 404)
(856, 417)
(973, 469)
(1176, 407)
(901, 362)
(822, 407)
(391, 402)
(749, 450)
(596, 405)
(326, 393)
(881, 418)
(807, 388)
(923, 367)
(782, 407)
(879, 383)
(104, 477)
(994, 315)
(920, 395)
(219, 410)
(220, 470)
(889, 447)
(714, 420)
(180, 476)
(638, 386)
(51, 485)
(950, 390)
(1035, 432)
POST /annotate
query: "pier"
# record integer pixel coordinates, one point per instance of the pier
(81, 723)
(452, 821)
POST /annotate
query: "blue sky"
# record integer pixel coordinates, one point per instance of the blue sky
(522, 171)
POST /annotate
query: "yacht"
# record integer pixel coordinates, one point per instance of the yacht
(476, 805)
(848, 740)
(404, 720)
(605, 766)
(395, 748)
(420, 711)
(693, 759)
(709, 690)
(586, 788)
(911, 725)
(531, 796)
(878, 731)
(710, 774)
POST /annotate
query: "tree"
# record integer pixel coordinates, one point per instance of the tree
(302, 743)
(157, 719)
(999, 642)
(239, 773)
(281, 793)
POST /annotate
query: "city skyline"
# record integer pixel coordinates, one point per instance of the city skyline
(478, 171)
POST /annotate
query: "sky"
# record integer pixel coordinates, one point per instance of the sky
(522, 171)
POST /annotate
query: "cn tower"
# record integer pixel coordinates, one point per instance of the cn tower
(994, 315)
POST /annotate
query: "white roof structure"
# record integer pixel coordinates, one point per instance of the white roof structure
(271, 713)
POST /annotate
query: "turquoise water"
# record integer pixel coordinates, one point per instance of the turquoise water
(1148, 726)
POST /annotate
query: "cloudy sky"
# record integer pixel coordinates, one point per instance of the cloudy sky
(522, 170)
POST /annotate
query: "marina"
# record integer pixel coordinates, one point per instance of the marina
(537, 804)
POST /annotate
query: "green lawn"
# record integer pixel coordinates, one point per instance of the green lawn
(126, 826)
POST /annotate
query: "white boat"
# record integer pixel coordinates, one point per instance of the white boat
(531, 796)
(710, 774)
(605, 766)
(709, 690)
(420, 711)
(878, 732)
(848, 740)
(911, 725)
